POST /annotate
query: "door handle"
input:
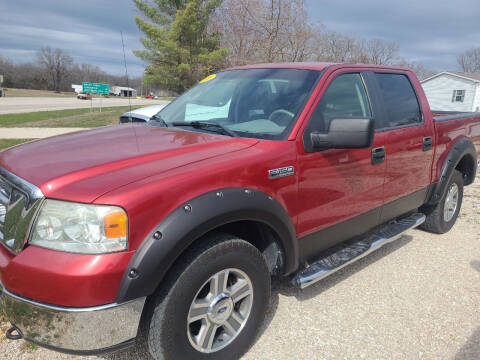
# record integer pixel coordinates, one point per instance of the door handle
(378, 155)
(427, 143)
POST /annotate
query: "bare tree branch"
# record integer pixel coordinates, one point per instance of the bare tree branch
(469, 61)
(56, 63)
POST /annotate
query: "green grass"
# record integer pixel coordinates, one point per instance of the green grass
(166, 98)
(6, 143)
(32, 347)
(65, 118)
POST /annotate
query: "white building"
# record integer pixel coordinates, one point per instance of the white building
(77, 88)
(453, 91)
(123, 91)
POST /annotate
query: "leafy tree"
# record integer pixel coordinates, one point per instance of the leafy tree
(178, 46)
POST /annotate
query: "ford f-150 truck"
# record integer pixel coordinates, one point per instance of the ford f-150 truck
(165, 237)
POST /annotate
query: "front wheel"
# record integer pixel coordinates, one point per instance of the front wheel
(213, 305)
(442, 216)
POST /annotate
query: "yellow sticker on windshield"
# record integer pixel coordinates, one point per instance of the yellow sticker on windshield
(208, 78)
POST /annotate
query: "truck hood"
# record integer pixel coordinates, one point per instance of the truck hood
(84, 165)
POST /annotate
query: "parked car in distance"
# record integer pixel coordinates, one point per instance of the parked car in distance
(166, 237)
(84, 96)
(149, 96)
(141, 115)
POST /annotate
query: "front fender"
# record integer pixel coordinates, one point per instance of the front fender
(176, 232)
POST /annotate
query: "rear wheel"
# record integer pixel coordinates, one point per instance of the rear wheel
(213, 304)
(442, 216)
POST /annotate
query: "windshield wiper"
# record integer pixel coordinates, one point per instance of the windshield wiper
(159, 119)
(206, 125)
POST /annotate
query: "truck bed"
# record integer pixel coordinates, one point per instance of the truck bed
(453, 115)
(449, 127)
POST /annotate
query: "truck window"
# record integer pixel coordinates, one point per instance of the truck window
(257, 103)
(401, 104)
(345, 97)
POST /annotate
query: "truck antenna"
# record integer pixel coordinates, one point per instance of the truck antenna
(126, 74)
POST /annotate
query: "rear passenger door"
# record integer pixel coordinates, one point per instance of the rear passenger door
(408, 144)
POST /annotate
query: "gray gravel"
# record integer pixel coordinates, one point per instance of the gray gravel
(417, 298)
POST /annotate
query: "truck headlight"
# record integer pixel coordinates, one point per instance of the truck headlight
(80, 228)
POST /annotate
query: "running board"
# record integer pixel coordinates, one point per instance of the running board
(352, 251)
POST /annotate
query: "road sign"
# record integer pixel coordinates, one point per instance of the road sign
(94, 88)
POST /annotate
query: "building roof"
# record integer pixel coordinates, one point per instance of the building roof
(475, 77)
(122, 88)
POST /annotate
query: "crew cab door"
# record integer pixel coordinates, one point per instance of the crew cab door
(409, 137)
(340, 191)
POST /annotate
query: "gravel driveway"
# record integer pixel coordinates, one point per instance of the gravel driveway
(417, 298)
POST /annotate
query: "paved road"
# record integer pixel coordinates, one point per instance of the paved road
(417, 298)
(34, 133)
(11, 105)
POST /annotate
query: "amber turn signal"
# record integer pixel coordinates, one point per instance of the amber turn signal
(116, 225)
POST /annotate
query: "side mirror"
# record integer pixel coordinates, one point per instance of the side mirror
(345, 134)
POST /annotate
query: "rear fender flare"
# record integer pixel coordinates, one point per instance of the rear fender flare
(187, 223)
(463, 147)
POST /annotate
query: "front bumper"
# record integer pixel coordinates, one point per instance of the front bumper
(88, 330)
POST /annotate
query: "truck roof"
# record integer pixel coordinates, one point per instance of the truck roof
(319, 66)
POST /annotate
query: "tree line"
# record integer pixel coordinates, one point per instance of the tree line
(55, 70)
(188, 39)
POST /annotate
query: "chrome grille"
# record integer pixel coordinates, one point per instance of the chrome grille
(5, 192)
(19, 201)
(3, 211)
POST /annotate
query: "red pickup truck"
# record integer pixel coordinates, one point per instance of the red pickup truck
(165, 236)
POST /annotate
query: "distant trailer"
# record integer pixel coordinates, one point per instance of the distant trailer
(77, 88)
(123, 91)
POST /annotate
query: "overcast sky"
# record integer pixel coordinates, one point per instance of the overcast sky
(88, 30)
(430, 31)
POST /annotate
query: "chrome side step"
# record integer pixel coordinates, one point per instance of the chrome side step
(354, 250)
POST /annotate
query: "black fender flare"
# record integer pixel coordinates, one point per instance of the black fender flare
(178, 230)
(463, 147)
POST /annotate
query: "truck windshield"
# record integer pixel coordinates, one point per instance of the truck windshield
(259, 103)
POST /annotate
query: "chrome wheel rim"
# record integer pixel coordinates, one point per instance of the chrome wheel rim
(451, 203)
(219, 310)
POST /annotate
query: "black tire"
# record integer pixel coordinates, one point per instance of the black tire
(435, 221)
(163, 332)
